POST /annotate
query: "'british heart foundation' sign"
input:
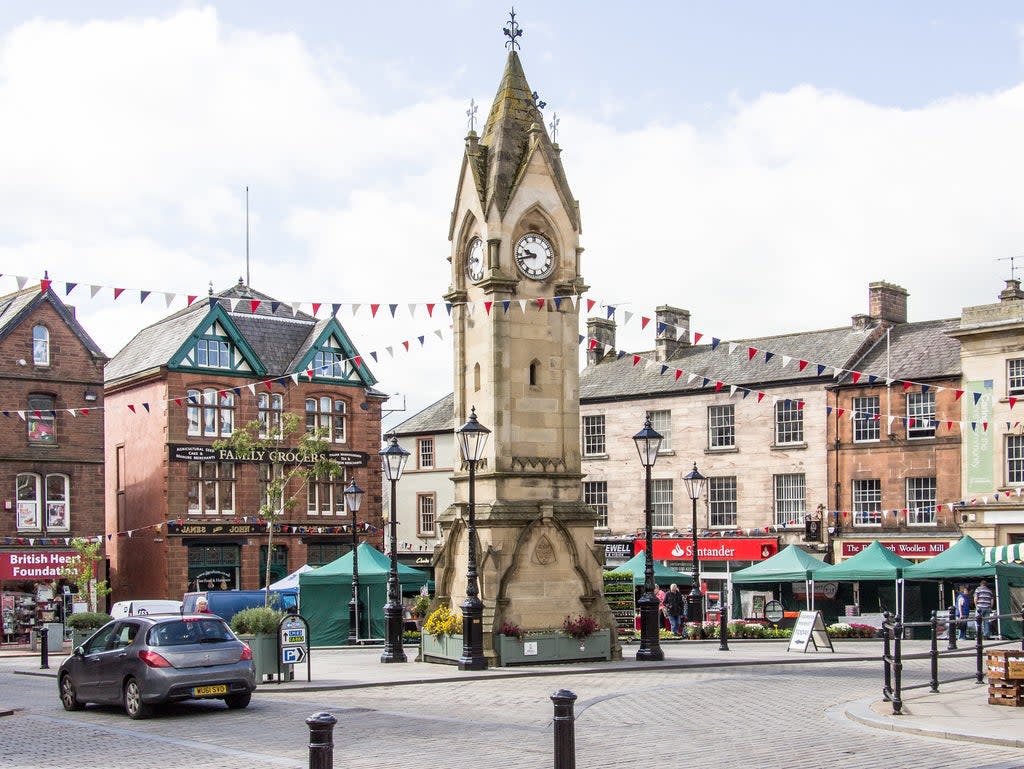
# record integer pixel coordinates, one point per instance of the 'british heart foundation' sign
(34, 566)
(711, 549)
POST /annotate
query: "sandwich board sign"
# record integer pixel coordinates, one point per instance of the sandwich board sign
(810, 629)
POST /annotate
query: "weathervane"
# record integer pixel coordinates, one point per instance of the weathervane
(537, 102)
(512, 31)
(471, 114)
(554, 128)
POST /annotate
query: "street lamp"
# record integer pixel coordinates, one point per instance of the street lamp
(354, 499)
(393, 459)
(648, 441)
(472, 438)
(694, 488)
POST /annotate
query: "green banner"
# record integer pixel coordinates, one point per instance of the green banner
(978, 443)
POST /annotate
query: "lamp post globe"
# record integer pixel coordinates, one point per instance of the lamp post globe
(472, 438)
(694, 488)
(354, 500)
(393, 459)
(648, 441)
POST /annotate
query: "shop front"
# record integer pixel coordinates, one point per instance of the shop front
(33, 594)
(718, 558)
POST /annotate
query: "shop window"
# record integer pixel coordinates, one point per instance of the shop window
(41, 419)
(213, 567)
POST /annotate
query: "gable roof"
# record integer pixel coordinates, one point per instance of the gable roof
(621, 379)
(16, 307)
(275, 335)
(438, 417)
(914, 351)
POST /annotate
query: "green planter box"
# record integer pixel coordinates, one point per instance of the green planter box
(542, 648)
(264, 657)
(79, 637)
(446, 649)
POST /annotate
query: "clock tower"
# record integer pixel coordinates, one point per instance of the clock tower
(515, 291)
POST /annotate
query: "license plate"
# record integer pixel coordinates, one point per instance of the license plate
(203, 691)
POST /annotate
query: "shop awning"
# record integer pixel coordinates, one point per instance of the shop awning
(1004, 553)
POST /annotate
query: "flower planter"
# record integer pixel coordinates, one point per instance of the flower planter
(554, 647)
(446, 649)
(264, 657)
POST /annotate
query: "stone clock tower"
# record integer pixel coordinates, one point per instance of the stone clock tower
(515, 291)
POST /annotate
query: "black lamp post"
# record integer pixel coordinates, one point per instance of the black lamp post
(472, 438)
(354, 499)
(694, 488)
(393, 459)
(648, 441)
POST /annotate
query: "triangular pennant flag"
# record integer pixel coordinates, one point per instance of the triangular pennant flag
(295, 377)
(85, 411)
(21, 280)
(448, 308)
(430, 310)
(760, 397)
(118, 292)
(840, 412)
(273, 307)
(191, 298)
(254, 305)
(505, 304)
(558, 303)
(925, 388)
(732, 347)
(732, 390)
(746, 392)
(977, 397)
(581, 337)
(704, 381)
(715, 342)
(412, 310)
(131, 407)
(335, 308)
(540, 303)
(373, 310)
(309, 374)
(68, 288)
(661, 328)
(821, 369)
(697, 336)
(522, 305)
(786, 361)
(664, 368)
(405, 344)
(855, 375)
(373, 354)
(251, 387)
(316, 308)
(828, 411)
(719, 386)
(393, 308)
(644, 320)
(233, 304)
(636, 359)
(177, 401)
(984, 426)
(168, 298)
(621, 355)
(390, 351)
(679, 373)
(44, 285)
(143, 296)
(421, 339)
(907, 386)
(751, 352)
(872, 378)
(487, 307)
(959, 394)
(357, 361)
(803, 365)
(146, 407)
(611, 311)
(768, 356)
(590, 304)
(72, 412)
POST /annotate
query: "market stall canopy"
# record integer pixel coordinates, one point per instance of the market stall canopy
(292, 580)
(964, 559)
(874, 562)
(1004, 553)
(373, 569)
(663, 575)
(791, 564)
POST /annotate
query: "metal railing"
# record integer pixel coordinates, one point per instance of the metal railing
(893, 628)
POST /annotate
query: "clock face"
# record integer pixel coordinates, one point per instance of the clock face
(475, 259)
(534, 256)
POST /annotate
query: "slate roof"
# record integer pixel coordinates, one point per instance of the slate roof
(915, 351)
(621, 379)
(438, 417)
(278, 336)
(16, 306)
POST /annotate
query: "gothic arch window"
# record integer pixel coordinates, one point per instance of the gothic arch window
(476, 377)
(534, 373)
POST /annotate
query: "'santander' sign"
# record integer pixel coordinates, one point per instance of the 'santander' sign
(902, 549)
(711, 549)
(196, 453)
(34, 566)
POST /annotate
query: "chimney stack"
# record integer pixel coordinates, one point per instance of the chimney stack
(604, 332)
(887, 302)
(673, 331)
(1012, 291)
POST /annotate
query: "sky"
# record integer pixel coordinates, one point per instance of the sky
(758, 164)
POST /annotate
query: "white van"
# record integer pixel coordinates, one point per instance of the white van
(144, 606)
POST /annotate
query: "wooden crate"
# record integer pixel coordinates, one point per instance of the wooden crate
(1004, 663)
(1006, 693)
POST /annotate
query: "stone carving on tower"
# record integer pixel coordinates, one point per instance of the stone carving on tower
(515, 290)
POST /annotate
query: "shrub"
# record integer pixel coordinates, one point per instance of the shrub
(512, 630)
(580, 626)
(258, 620)
(443, 621)
(88, 620)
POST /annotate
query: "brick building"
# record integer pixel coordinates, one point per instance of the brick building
(184, 515)
(51, 433)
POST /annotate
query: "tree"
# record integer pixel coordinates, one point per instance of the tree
(81, 570)
(281, 494)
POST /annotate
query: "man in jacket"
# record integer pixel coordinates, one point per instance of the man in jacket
(675, 608)
(983, 601)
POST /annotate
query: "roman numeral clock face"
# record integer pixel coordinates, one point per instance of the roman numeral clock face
(534, 256)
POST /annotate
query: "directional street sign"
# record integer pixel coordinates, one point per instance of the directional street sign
(291, 655)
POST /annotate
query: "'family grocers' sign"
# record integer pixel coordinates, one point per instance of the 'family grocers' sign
(196, 453)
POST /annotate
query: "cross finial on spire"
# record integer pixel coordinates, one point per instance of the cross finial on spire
(471, 114)
(537, 102)
(554, 128)
(512, 31)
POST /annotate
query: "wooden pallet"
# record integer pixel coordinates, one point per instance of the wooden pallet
(1006, 693)
(1002, 663)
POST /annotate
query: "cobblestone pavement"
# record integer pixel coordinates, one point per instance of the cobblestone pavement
(766, 716)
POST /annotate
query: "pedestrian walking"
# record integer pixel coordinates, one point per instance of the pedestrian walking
(675, 607)
(984, 598)
(659, 593)
(963, 610)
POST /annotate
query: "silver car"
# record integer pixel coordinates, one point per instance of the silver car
(143, 661)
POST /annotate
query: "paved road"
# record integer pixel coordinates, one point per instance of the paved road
(770, 716)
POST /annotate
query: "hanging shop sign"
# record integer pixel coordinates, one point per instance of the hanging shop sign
(902, 548)
(35, 566)
(711, 549)
(183, 452)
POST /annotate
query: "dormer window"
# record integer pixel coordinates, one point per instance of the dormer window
(331, 364)
(213, 353)
(41, 346)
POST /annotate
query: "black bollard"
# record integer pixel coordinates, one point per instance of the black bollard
(979, 650)
(565, 729)
(952, 629)
(321, 740)
(723, 628)
(44, 650)
(933, 652)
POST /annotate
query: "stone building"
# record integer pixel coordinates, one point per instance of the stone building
(51, 465)
(183, 515)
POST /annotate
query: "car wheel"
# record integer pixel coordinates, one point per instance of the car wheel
(133, 703)
(68, 698)
(238, 701)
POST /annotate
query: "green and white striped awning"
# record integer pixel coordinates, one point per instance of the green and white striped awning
(1004, 553)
